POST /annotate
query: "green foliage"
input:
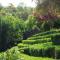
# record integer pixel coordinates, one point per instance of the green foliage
(12, 54)
(29, 41)
(21, 45)
(45, 34)
(56, 40)
(15, 54)
(19, 11)
(43, 44)
(11, 31)
(57, 23)
(43, 50)
(46, 26)
(36, 40)
(30, 23)
(57, 52)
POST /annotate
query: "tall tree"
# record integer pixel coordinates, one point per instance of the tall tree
(48, 5)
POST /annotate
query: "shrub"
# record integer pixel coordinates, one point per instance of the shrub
(11, 29)
(44, 36)
(52, 31)
(12, 54)
(57, 23)
(43, 50)
(30, 27)
(45, 26)
(21, 45)
(29, 41)
(57, 52)
(56, 39)
(36, 41)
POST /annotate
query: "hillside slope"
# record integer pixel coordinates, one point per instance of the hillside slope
(46, 44)
(42, 46)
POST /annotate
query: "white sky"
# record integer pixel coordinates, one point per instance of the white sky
(16, 2)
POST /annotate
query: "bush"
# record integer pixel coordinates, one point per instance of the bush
(43, 50)
(11, 29)
(36, 41)
(29, 41)
(52, 31)
(56, 39)
(12, 54)
(30, 27)
(44, 36)
(45, 26)
(21, 45)
(57, 52)
(57, 23)
(49, 51)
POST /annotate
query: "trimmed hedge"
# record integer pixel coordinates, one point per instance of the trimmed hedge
(43, 50)
(21, 45)
(46, 36)
(43, 45)
(57, 52)
(56, 40)
(43, 40)
(47, 32)
(29, 41)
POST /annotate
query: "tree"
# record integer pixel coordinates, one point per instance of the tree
(48, 5)
(11, 31)
(47, 10)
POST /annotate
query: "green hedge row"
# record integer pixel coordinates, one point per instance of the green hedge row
(42, 46)
(44, 51)
(57, 52)
(52, 31)
(41, 37)
(36, 41)
(21, 45)
(56, 40)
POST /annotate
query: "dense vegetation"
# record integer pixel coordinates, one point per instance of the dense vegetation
(34, 32)
(10, 31)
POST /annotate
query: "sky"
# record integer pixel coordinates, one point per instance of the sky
(28, 3)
